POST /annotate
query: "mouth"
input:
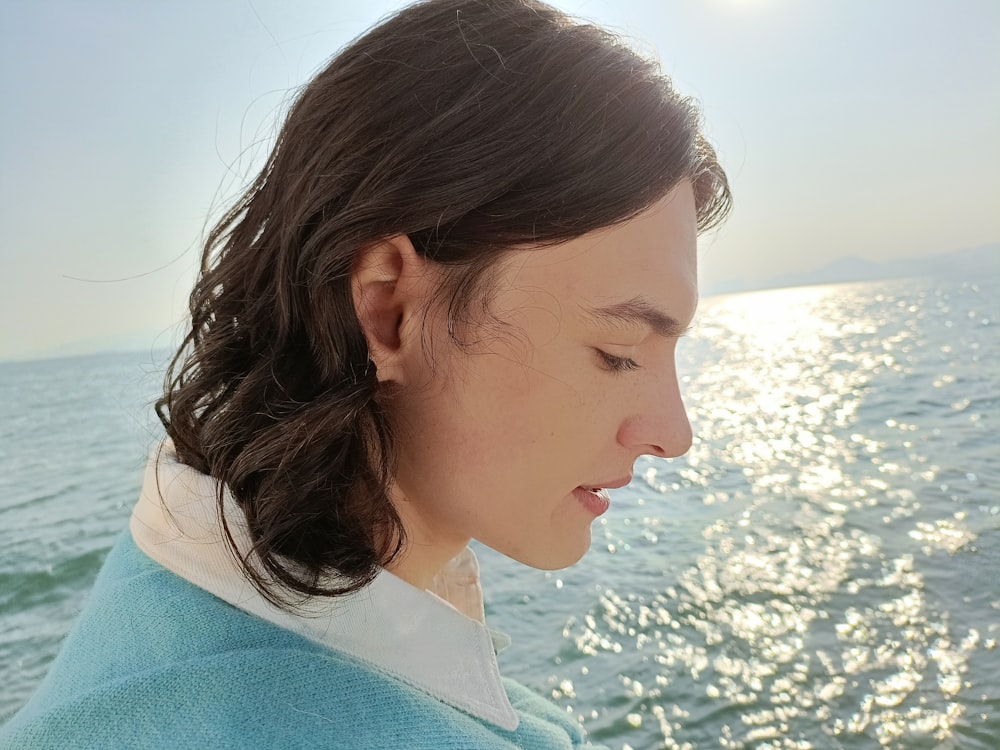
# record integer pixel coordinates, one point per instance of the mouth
(594, 499)
(613, 484)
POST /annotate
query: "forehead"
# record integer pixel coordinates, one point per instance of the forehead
(652, 256)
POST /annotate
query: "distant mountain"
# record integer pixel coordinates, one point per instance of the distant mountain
(974, 260)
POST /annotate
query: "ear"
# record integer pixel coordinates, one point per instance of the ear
(391, 284)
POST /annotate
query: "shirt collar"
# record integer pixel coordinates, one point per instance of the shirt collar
(436, 641)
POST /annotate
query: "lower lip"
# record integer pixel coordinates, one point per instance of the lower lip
(595, 502)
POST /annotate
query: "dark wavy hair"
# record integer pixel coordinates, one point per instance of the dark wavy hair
(471, 126)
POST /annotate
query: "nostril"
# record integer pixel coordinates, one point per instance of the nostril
(664, 432)
(659, 452)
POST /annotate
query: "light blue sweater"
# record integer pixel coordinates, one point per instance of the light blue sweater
(155, 662)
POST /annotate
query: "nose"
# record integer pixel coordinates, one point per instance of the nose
(660, 425)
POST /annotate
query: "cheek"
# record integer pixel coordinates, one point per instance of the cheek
(471, 410)
(516, 399)
(507, 421)
(555, 409)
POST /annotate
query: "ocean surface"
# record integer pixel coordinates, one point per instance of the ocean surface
(822, 570)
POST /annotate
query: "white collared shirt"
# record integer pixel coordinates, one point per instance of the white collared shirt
(435, 641)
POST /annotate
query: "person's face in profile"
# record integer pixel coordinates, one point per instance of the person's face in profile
(566, 382)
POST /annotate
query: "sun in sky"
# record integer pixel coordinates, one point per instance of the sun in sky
(848, 129)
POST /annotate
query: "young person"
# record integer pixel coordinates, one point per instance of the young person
(445, 310)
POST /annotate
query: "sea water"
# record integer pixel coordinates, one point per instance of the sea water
(822, 570)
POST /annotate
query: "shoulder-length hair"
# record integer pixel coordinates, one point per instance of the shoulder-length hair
(471, 126)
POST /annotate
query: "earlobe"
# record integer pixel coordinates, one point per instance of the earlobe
(388, 285)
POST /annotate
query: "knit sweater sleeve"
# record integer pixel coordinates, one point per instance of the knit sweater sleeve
(234, 701)
(155, 662)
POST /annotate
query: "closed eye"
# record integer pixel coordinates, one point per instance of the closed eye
(617, 364)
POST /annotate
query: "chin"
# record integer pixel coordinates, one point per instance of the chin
(555, 555)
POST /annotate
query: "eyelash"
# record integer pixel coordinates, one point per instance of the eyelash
(617, 364)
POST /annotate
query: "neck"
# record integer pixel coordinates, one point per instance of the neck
(419, 562)
(426, 551)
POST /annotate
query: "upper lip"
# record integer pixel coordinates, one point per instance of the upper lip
(610, 485)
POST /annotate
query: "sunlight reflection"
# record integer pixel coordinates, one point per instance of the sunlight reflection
(807, 605)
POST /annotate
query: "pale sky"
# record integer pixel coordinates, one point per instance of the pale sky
(863, 128)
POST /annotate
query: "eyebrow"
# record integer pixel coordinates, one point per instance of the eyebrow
(638, 311)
